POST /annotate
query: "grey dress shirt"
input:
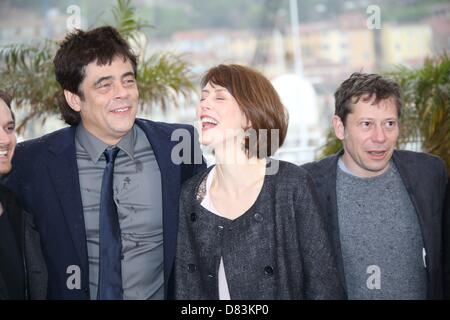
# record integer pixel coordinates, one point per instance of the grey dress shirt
(137, 194)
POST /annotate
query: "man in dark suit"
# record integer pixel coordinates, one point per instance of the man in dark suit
(22, 269)
(384, 206)
(104, 191)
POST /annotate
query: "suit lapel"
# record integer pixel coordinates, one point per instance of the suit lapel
(63, 170)
(409, 182)
(170, 180)
(326, 187)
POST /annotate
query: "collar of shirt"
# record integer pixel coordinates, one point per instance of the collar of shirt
(95, 147)
(344, 168)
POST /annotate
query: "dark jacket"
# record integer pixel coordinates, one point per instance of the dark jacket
(424, 177)
(45, 180)
(446, 234)
(29, 247)
(278, 249)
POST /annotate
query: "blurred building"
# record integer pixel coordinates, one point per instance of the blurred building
(406, 44)
(330, 51)
(335, 48)
(439, 21)
(25, 26)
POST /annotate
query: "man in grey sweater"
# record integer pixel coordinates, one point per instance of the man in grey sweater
(384, 207)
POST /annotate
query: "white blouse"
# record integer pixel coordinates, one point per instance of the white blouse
(224, 293)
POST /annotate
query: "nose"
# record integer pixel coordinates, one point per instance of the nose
(5, 138)
(120, 91)
(202, 106)
(379, 135)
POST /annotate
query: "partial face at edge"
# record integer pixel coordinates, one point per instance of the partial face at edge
(7, 138)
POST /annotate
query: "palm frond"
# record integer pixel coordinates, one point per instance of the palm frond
(163, 78)
(332, 145)
(28, 74)
(126, 21)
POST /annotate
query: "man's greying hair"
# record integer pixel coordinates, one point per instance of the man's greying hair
(367, 87)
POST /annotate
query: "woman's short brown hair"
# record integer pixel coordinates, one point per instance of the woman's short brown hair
(258, 100)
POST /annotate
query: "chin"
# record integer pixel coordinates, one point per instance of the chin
(379, 168)
(124, 127)
(5, 169)
(205, 139)
(205, 142)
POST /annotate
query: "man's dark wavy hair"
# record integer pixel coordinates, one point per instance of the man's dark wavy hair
(80, 48)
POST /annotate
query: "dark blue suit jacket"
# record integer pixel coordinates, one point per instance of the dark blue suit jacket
(45, 179)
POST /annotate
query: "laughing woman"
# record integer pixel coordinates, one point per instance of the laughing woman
(250, 227)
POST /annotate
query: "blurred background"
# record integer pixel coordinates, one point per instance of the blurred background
(305, 47)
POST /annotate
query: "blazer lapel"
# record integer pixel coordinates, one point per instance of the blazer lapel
(63, 170)
(425, 219)
(326, 188)
(170, 180)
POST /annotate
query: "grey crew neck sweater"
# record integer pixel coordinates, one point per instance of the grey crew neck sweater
(380, 236)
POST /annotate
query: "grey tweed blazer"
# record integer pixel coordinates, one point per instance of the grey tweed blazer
(278, 249)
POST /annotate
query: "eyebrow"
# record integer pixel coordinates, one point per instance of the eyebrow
(102, 79)
(129, 73)
(368, 118)
(126, 74)
(216, 90)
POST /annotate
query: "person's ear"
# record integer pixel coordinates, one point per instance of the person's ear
(246, 123)
(73, 100)
(339, 129)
